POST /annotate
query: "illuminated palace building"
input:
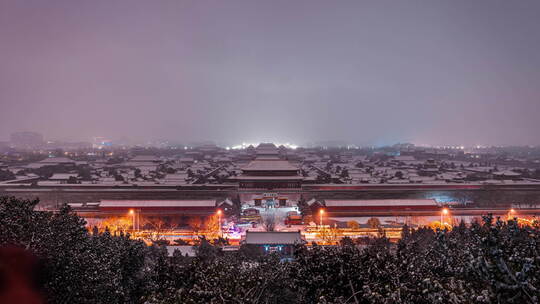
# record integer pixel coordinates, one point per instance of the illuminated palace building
(269, 171)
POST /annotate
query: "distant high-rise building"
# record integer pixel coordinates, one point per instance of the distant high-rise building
(27, 140)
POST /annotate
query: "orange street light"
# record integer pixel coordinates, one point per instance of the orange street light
(444, 212)
(132, 213)
(219, 222)
(512, 213)
(321, 212)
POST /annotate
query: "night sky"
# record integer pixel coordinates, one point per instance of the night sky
(366, 72)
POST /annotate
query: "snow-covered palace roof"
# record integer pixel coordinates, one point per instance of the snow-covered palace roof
(383, 202)
(275, 238)
(269, 165)
(156, 203)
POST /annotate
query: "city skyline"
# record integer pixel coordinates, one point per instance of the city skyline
(39, 140)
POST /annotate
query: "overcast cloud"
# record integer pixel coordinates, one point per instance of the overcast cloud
(378, 72)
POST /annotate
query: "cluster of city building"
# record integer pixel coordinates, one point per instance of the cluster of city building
(27, 155)
(268, 188)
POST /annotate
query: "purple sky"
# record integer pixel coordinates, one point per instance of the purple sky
(434, 72)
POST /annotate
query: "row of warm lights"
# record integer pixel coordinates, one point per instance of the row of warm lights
(244, 145)
(444, 212)
(218, 213)
(521, 221)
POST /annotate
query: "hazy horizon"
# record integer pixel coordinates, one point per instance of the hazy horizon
(362, 72)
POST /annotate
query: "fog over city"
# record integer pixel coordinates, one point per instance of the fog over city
(364, 72)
